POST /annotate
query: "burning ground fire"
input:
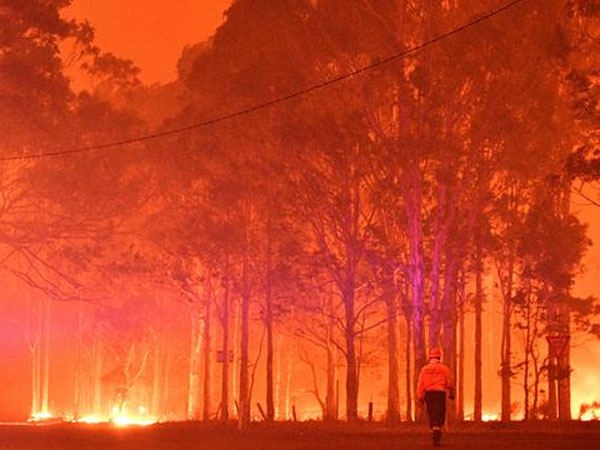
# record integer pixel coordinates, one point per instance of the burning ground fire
(41, 416)
(118, 418)
(589, 411)
(122, 418)
(490, 417)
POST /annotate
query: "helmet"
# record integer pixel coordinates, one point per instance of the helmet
(435, 353)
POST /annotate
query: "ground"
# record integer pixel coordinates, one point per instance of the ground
(297, 437)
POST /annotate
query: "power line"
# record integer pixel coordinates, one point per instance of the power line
(276, 101)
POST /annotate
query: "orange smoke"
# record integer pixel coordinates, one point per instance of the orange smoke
(151, 33)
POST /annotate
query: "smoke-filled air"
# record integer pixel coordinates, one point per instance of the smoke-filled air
(299, 224)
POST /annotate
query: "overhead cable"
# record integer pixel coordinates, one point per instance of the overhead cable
(267, 104)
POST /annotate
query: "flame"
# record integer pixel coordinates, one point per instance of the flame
(42, 415)
(90, 419)
(589, 411)
(121, 418)
(490, 417)
(124, 421)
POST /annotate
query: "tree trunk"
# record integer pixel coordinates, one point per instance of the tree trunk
(506, 370)
(478, 402)
(34, 337)
(35, 384)
(288, 384)
(225, 348)
(244, 400)
(393, 400)
(156, 388)
(330, 397)
(46, 347)
(193, 403)
(460, 379)
(525, 376)
(537, 372)
(413, 205)
(536, 388)
(97, 375)
(269, 326)
(166, 391)
(449, 319)
(564, 384)
(236, 352)
(552, 327)
(528, 352)
(435, 320)
(552, 400)
(351, 362)
(206, 401)
(330, 400)
(564, 361)
(78, 364)
(408, 372)
(277, 387)
(157, 385)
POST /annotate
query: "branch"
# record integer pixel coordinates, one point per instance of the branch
(370, 327)
(260, 347)
(591, 201)
(313, 372)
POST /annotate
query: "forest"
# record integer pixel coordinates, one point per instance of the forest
(329, 189)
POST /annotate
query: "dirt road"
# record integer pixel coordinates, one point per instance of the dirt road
(292, 437)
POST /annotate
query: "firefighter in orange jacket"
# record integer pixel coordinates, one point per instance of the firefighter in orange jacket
(435, 380)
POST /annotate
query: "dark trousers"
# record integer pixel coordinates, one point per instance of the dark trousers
(436, 408)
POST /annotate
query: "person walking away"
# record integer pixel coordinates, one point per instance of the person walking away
(435, 381)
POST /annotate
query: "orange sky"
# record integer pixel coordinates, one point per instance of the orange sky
(152, 33)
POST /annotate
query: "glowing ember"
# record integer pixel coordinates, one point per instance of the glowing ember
(124, 421)
(490, 417)
(122, 418)
(589, 412)
(44, 415)
(90, 419)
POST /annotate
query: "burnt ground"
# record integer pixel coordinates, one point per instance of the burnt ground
(314, 436)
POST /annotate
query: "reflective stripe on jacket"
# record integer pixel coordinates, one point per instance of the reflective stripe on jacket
(435, 376)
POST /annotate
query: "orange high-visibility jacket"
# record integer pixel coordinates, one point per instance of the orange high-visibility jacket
(435, 376)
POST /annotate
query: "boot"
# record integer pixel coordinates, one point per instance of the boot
(437, 436)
